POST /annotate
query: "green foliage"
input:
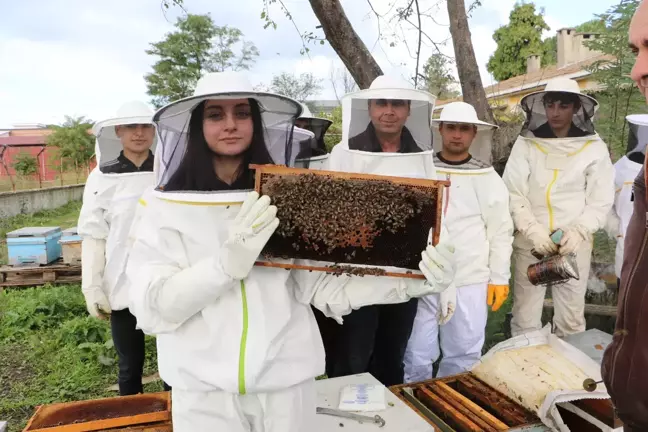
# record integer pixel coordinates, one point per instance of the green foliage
(52, 351)
(334, 133)
(195, 47)
(25, 164)
(437, 77)
(619, 96)
(74, 142)
(517, 40)
(296, 87)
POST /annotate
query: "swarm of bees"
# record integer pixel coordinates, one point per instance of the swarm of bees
(338, 270)
(354, 221)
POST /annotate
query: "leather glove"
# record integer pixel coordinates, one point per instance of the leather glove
(541, 239)
(97, 303)
(447, 304)
(438, 267)
(248, 235)
(496, 296)
(572, 239)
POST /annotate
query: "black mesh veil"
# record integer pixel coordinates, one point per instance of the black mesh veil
(537, 122)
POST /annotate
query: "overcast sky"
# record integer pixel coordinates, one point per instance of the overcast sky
(86, 57)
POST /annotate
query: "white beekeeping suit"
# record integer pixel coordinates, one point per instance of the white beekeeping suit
(626, 170)
(565, 183)
(477, 217)
(109, 203)
(373, 339)
(237, 342)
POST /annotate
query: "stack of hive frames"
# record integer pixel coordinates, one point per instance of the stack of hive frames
(353, 219)
(142, 413)
(465, 403)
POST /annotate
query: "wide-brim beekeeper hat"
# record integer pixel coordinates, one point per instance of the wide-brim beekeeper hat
(108, 144)
(278, 115)
(533, 105)
(355, 109)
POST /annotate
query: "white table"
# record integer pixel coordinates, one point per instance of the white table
(398, 418)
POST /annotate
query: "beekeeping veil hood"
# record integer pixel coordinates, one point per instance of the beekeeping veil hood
(464, 113)
(317, 125)
(562, 90)
(360, 150)
(277, 117)
(108, 145)
(637, 137)
(311, 154)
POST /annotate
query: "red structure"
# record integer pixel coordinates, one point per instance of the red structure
(32, 141)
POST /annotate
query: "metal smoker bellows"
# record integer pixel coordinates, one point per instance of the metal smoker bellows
(351, 219)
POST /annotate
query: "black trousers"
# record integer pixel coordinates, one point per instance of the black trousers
(129, 344)
(372, 339)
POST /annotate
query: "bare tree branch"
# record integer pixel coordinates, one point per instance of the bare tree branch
(418, 51)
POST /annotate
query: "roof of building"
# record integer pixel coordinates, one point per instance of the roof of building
(18, 141)
(537, 79)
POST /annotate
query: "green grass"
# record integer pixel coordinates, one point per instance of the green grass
(52, 351)
(65, 217)
(31, 182)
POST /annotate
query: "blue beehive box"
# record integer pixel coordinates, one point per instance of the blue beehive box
(70, 235)
(34, 245)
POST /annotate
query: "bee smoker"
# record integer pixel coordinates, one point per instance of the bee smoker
(554, 268)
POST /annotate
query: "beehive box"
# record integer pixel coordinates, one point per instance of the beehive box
(34, 245)
(144, 413)
(71, 246)
(351, 220)
(464, 403)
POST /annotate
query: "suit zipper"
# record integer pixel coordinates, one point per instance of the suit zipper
(625, 302)
(243, 347)
(548, 198)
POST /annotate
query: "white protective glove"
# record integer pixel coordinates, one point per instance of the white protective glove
(248, 235)
(572, 238)
(438, 266)
(541, 239)
(97, 303)
(447, 304)
(93, 262)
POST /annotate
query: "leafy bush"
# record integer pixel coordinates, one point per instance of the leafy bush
(25, 164)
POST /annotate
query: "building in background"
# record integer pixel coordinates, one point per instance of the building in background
(573, 59)
(31, 139)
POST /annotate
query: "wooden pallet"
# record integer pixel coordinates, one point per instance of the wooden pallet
(27, 276)
(590, 309)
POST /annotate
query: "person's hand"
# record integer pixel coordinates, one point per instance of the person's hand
(447, 304)
(541, 239)
(572, 238)
(438, 266)
(497, 295)
(97, 304)
(248, 235)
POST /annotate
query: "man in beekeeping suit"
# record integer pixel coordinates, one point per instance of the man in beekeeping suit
(559, 176)
(479, 223)
(125, 169)
(626, 170)
(385, 131)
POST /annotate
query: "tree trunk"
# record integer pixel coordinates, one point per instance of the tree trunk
(346, 42)
(471, 83)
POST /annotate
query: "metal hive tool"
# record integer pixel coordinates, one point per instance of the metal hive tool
(353, 221)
